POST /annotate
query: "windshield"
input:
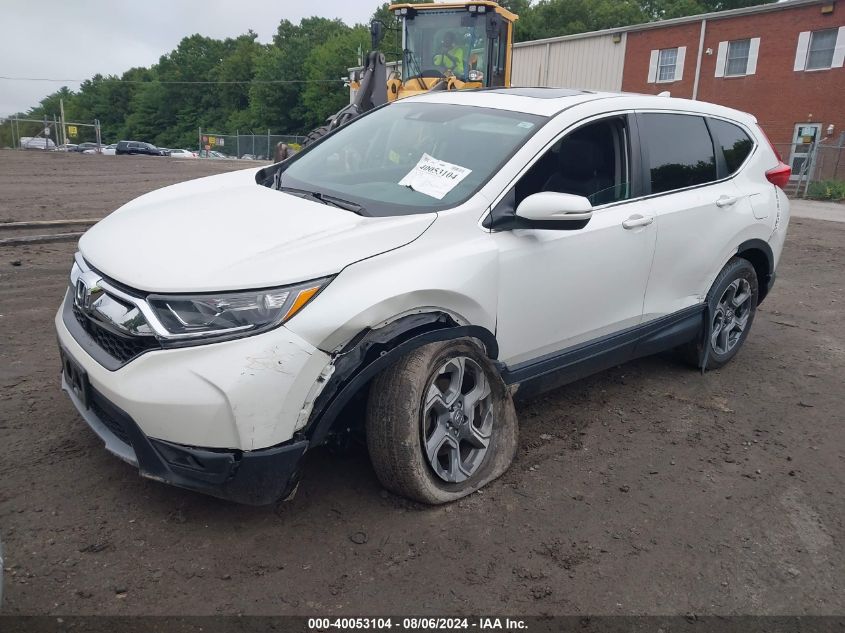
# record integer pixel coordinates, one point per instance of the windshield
(436, 42)
(411, 157)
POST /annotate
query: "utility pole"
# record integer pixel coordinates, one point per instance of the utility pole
(62, 117)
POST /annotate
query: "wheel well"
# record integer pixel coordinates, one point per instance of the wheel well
(762, 266)
(372, 351)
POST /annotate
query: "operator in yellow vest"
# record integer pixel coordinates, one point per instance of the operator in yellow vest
(451, 56)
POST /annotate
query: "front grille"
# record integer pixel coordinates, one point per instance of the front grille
(122, 348)
(104, 410)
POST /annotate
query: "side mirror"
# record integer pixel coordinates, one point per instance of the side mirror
(553, 210)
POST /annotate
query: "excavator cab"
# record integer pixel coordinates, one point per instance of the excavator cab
(452, 46)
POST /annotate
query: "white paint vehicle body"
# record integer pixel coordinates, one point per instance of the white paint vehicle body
(636, 269)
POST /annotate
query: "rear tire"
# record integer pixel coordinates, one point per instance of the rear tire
(733, 303)
(440, 423)
(315, 135)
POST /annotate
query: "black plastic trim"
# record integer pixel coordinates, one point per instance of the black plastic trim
(258, 477)
(718, 155)
(374, 350)
(765, 284)
(581, 360)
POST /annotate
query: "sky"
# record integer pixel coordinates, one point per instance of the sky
(79, 38)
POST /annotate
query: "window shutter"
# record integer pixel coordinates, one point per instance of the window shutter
(801, 51)
(721, 59)
(839, 51)
(753, 52)
(652, 67)
(679, 63)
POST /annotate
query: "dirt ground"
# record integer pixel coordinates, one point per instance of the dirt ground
(647, 489)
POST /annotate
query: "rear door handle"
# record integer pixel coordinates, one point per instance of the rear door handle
(637, 220)
(726, 201)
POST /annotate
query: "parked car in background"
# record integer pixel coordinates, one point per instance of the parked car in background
(481, 244)
(90, 148)
(67, 147)
(137, 147)
(182, 153)
(37, 142)
(109, 150)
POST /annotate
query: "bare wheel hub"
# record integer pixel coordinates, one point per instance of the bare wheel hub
(457, 419)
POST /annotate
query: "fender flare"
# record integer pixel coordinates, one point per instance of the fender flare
(372, 350)
(766, 283)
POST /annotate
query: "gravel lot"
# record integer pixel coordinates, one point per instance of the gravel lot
(645, 489)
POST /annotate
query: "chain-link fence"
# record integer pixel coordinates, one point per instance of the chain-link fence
(245, 146)
(813, 163)
(20, 133)
(46, 133)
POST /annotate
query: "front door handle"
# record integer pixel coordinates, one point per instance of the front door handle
(637, 220)
(726, 201)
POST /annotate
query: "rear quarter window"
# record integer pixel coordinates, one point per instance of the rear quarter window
(679, 150)
(733, 142)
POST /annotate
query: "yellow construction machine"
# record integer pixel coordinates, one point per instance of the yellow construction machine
(445, 46)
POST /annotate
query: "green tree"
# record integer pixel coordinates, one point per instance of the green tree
(280, 106)
(331, 60)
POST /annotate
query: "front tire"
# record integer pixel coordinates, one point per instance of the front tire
(440, 423)
(732, 302)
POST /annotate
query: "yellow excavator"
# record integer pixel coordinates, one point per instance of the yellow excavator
(445, 46)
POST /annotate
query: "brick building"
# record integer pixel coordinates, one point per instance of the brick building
(783, 62)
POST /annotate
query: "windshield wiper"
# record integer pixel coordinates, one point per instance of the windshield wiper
(341, 203)
(331, 201)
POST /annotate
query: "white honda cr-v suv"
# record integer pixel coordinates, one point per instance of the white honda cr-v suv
(434, 256)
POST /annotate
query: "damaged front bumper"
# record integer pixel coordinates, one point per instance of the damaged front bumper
(257, 477)
(223, 418)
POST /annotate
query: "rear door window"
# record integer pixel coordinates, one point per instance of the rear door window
(732, 141)
(679, 151)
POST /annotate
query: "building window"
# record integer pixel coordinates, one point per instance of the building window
(820, 52)
(737, 57)
(666, 64)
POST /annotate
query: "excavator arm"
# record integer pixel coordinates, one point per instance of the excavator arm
(372, 90)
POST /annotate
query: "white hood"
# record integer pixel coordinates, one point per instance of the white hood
(226, 233)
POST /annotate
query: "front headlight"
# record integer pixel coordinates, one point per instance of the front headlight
(223, 314)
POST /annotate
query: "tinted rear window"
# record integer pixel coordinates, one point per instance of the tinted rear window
(680, 151)
(735, 143)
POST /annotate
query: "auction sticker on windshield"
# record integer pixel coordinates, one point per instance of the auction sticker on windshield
(434, 177)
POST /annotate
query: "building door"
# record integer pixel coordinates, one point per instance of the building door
(803, 137)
